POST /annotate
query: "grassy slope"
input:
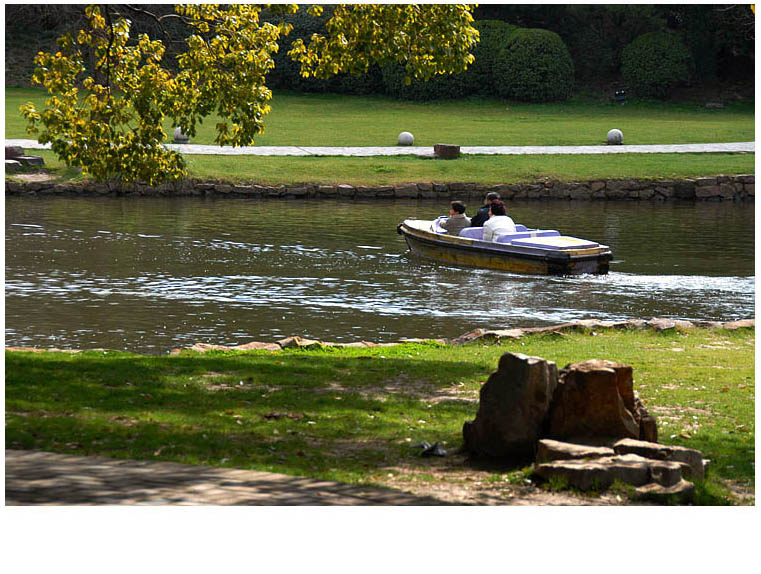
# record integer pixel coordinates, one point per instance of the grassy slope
(357, 411)
(335, 120)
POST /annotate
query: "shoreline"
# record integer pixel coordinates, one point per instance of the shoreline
(484, 336)
(716, 188)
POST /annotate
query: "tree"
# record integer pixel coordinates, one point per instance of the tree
(109, 93)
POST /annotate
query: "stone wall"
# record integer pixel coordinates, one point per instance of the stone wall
(718, 188)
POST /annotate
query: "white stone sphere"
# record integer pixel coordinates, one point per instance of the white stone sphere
(406, 138)
(615, 137)
(179, 136)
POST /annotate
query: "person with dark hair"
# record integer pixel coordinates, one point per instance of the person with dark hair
(499, 223)
(457, 220)
(483, 213)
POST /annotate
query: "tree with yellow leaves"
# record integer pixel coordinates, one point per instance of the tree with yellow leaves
(109, 93)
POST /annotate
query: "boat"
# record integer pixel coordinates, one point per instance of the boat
(531, 251)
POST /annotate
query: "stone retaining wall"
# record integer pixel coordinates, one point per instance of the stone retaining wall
(718, 188)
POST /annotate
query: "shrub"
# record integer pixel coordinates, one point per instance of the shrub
(655, 63)
(534, 66)
(479, 76)
(437, 88)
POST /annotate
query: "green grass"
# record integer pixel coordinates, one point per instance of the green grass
(338, 120)
(353, 414)
(482, 169)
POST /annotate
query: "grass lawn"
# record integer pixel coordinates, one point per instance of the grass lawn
(482, 169)
(338, 120)
(354, 414)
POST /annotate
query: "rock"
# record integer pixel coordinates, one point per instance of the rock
(446, 151)
(12, 165)
(406, 138)
(683, 490)
(13, 151)
(256, 345)
(407, 191)
(615, 137)
(179, 137)
(513, 406)
(692, 459)
(743, 324)
(298, 343)
(30, 160)
(594, 400)
(660, 324)
(598, 474)
(549, 450)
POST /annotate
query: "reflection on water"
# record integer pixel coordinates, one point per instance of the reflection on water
(152, 274)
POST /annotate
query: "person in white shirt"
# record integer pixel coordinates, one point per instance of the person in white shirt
(498, 222)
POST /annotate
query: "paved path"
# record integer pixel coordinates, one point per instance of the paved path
(193, 149)
(43, 478)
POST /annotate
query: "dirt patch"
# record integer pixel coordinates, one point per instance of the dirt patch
(403, 386)
(453, 480)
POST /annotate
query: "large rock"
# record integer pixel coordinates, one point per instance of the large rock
(513, 407)
(593, 402)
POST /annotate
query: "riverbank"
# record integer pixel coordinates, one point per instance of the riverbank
(716, 188)
(354, 413)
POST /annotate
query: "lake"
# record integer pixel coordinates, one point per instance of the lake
(151, 274)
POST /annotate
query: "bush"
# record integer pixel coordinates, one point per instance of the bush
(534, 66)
(437, 88)
(655, 63)
(479, 76)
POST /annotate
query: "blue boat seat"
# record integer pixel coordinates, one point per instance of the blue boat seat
(508, 237)
(472, 232)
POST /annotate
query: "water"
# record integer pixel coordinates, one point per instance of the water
(149, 274)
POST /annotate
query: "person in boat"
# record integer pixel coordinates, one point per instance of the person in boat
(457, 220)
(498, 223)
(483, 212)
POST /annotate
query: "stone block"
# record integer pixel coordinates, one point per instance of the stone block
(706, 181)
(549, 450)
(707, 191)
(446, 151)
(30, 160)
(345, 190)
(440, 187)
(297, 191)
(298, 343)
(683, 491)
(326, 191)
(407, 191)
(746, 178)
(425, 186)
(684, 190)
(12, 165)
(385, 191)
(13, 151)
(727, 191)
(512, 408)
(691, 458)
(598, 474)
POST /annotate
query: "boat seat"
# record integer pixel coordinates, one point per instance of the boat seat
(519, 227)
(472, 232)
(509, 237)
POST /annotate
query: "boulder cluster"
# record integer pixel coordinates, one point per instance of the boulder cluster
(584, 425)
